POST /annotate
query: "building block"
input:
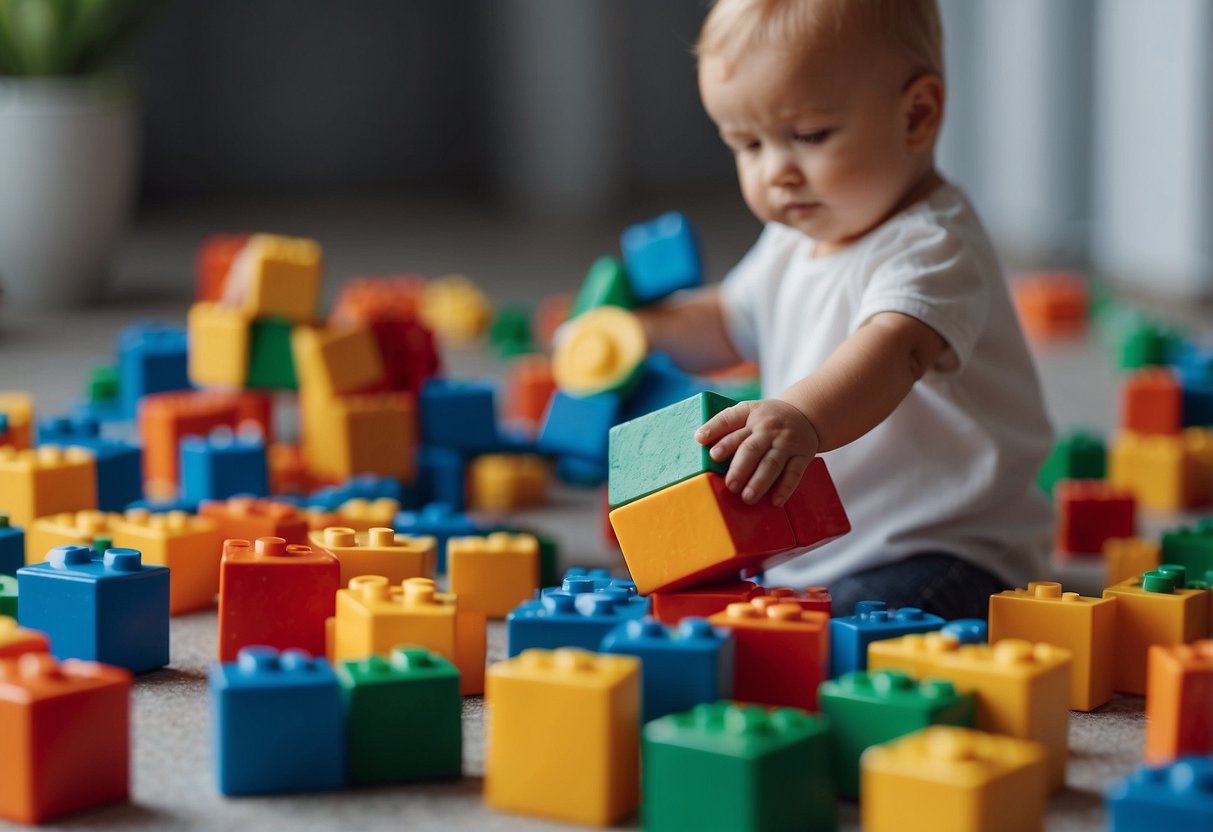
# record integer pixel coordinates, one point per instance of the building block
(218, 345)
(809, 599)
(12, 547)
(579, 426)
(781, 652)
(64, 735)
(8, 596)
(277, 276)
(738, 768)
(1078, 455)
(661, 384)
(1084, 626)
(334, 361)
(601, 352)
(46, 480)
(358, 514)
(373, 617)
(1161, 472)
(110, 607)
(17, 641)
(1197, 405)
(371, 433)
(212, 263)
(1174, 796)
(661, 256)
(578, 579)
(440, 476)
(1155, 608)
(18, 409)
(549, 552)
(1089, 512)
(701, 601)
(510, 331)
(605, 284)
(1198, 446)
(563, 736)
(867, 709)
(1151, 402)
(275, 594)
(152, 358)
(1128, 557)
(505, 482)
(1179, 701)
(915, 654)
(440, 521)
(166, 418)
(377, 551)
(79, 528)
(361, 486)
(815, 509)
(948, 779)
(455, 309)
(119, 463)
(1190, 547)
(276, 723)
(681, 666)
(1148, 344)
(249, 518)
(289, 476)
(493, 574)
(567, 619)
(224, 464)
(271, 362)
(1051, 305)
(402, 717)
(967, 630)
(581, 472)
(460, 415)
(529, 387)
(189, 546)
(872, 621)
(367, 299)
(410, 356)
(102, 397)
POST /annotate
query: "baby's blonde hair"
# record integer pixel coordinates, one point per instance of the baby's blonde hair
(910, 26)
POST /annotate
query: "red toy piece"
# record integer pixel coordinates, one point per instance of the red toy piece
(701, 601)
(1051, 304)
(1091, 512)
(246, 518)
(1151, 401)
(164, 418)
(528, 390)
(213, 262)
(815, 509)
(809, 599)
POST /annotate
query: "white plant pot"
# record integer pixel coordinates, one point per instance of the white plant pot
(67, 174)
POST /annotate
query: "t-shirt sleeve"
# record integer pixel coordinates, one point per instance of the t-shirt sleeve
(931, 273)
(742, 290)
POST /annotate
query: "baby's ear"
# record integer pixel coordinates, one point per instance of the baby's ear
(922, 106)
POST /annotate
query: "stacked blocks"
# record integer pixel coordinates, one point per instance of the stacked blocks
(402, 717)
(442, 521)
(189, 546)
(1151, 402)
(377, 551)
(271, 363)
(17, 641)
(64, 737)
(119, 464)
(152, 358)
(680, 667)
(276, 724)
(493, 574)
(1079, 455)
(110, 607)
(1090, 512)
(872, 621)
(737, 768)
(565, 619)
(213, 262)
(370, 433)
(12, 547)
(1164, 473)
(1179, 701)
(281, 277)
(224, 464)
(1174, 796)
(662, 257)
(562, 740)
(46, 480)
(248, 518)
(1051, 304)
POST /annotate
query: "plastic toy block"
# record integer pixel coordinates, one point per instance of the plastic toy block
(276, 724)
(681, 666)
(1052, 304)
(661, 256)
(410, 356)
(440, 521)
(872, 621)
(218, 345)
(441, 476)
(402, 717)
(455, 309)
(948, 779)
(1197, 406)
(1084, 626)
(101, 393)
(377, 551)
(493, 574)
(605, 284)
(563, 736)
(582, 473)
(166, 418)
(656, 451)
(271, 361)
(815, 509)
(110, 607)
(18, 410)
(967, 630)
(370, 433)
(567, 619)
(12, 547)
(275, 594)
(1127, 557)
(331, 361)
(367, 299)
(660, 384)
(8, 596)
(579, 426)
(697, 532)
(601, 352)
(274, 276)
(1179, 701)
(510, 332)
(1151, 402)
(1148, 343)
(17, 641)
(152, 358)
(867, 709)
(189, 546)
(249, 518)
(1078, 455)
(1174, 796)
(1153, 609)
(578, 579)
(781, 652)
(504, 482)
(551, 311)
(46, 480)
(1159, 471)
(528, 389)
(362, 486)
(119, 463)
(722, 767)
(213, 262)
(1191, 548)
(1089, 512)
(64, 736)
(701, 601)
(460, 415)
(289, 476)
(1198, 446)
(363, 515)
(223, 464)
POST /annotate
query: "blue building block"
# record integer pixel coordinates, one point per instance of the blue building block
(586, 473)
(578, 579)
(277, 723)
(223, 465)
(662, 256)
(441, 473)
(12, 547)
(560, 619)
(1175, 796)
(680, 667)
(459, 414)
(360, 487)
(579, 425)
(440, 521)
(119, 463)
(109, 608)
(152, 358)
(872, 621)
(967, 630)
(661, 385)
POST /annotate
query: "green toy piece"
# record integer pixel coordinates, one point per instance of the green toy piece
(1148, 344)
(866, 709)
(271, 365)
(1079, 455)
(1190, 547)
(8, 596)
(103, 385)
(737, 768)
(605, 284)
(510, 332)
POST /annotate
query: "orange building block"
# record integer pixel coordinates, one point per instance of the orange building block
(46, 480)
(1161, 472)
(1151, 402)
(1051, 304)
(505, 482)
(164, 418)
(1153, 609)
(19, 408)
(288, 470)
(332, 361)
(212, 263)
(1084, 626)
(17, 641)
(1179, 701)
(493, 574)
(528, 389)
(249, 518)
(188, 545)
(1127, 557)
(69, 528)
(378, 551)
(372, 433)
(65, 731)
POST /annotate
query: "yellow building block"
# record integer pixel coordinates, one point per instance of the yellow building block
(334, 360)
(1128, 557)
(69, 528)
(946, 779)
(562, 736)
(455, 310)
(371, 433)
(1157, 469)
(363, 515)
(601, 351)
(219, 345)
(277, 276)
(1151, 609)
(504, 482)
(378, 551)
(1084, 626)
(46, 480)
(915, 654)
(374, 616)
(190, 546)
(493, 574)
(19, 408)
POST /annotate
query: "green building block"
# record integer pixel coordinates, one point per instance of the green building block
(1190, 547)
(271, 365)
(103, 384)
(866, 709)
(402, 717)
(510, 332)
(737, 768)
(8, 596)
(1078, 455)
(659, 449)
(1147, 344)
(605, 284)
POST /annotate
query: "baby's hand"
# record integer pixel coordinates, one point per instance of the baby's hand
(771, 442)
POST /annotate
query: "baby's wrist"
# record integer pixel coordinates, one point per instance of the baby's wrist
(803, 411)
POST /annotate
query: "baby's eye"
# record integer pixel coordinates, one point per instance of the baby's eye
(814, 137)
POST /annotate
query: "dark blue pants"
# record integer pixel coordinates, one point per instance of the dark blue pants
(935, 582)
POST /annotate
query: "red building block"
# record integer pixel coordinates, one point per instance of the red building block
(1151, 401)
(246, 518)
(256, 406)
(815, 509)
(212, 263)
(528, 389)
(164, 418)
(701, 601)
(809, 599)
(1051, 304)
(363, 300)
(64, 736)
(1090, 512)
(276, 594)
(1179, 701)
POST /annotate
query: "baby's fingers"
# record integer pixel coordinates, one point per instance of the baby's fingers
(790, 478)
(765, 473)
(728, 446)
(723, 423)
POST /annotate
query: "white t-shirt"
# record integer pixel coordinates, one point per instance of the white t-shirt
(954, 467)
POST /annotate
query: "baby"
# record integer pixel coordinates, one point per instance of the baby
(874, 305)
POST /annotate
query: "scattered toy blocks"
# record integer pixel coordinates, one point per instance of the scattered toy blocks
(601, 352)
(571, 619)
(872, 621)
(12, 547)
(1127, 557)
(1079, 455)
(189, 546)
(505, 482)
(46, 480)
(17, 641)
(661, 256)
(1174, 796)
(377, 551)
(224, 464)
(442, 522)
(1089, 512)
(119, 463)
(493, 574)
(1051, 305)
(166, 418)
(1179, 701)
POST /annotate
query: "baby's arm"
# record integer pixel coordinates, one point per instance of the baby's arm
(773, 441)
(689, 328)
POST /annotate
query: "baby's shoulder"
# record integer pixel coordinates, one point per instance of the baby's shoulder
(942, 231)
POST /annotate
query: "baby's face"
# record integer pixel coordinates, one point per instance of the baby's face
(819, 135)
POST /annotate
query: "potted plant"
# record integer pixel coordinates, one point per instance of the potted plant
(68, 145)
